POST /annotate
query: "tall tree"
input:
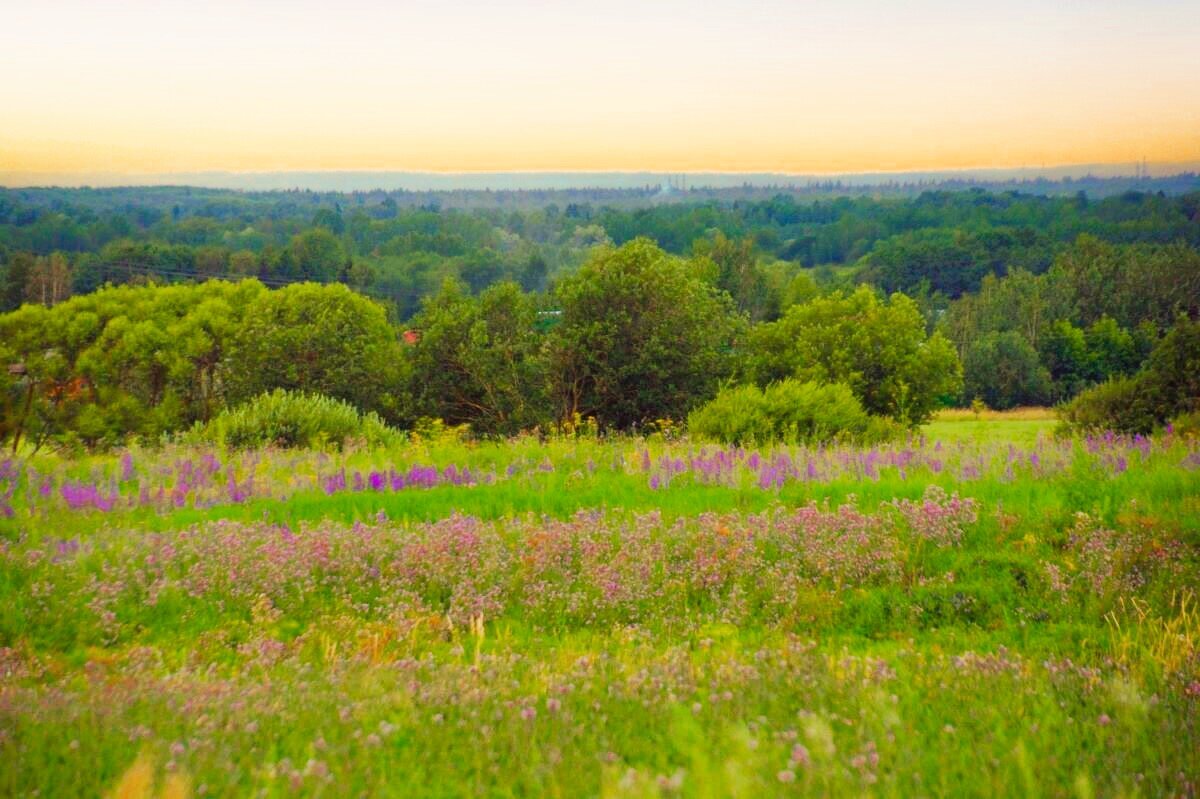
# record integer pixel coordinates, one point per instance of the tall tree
(641, 337)
(1003, 370)
(478, 360)
(16, 280)
(49, 280)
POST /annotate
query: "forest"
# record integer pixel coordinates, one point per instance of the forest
(131, 315)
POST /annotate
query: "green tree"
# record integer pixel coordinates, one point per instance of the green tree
(331, 220)
(126, 360)
(319, 340)
(1167, 386)
(1064, 353)
(1172, 372)
(478, 360)
(641, 337)
(1130, 282)
(879, 349)
(947, 260)
(534, 273)
(315, 254)
(1111, 348)
(16, 280)
(739, 274)
(800, 289)
(1004, 371)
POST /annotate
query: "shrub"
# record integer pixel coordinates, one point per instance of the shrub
(1167, 386)
(1187, 425)
(292, 419)
(789, 410)
(1123, 404)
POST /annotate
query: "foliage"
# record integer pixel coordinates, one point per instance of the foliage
(789, 411)
(1003, 370)
(952, 261)
(1186, 425)
(1172, 371)
(400, 246)
(291, 419)
(16, 281)
(1090, 283)
(1131, 283)
(1123, 403)
(740, 275)
(879, 349)
(318, 339)
(478, 360)
(1065, 354)
(641, 338)
(127, 360)
(315, 254)
(1167, 386)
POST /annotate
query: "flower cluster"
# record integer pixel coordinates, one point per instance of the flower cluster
(181, 477)
(593, 568)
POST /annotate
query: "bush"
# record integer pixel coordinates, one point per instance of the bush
(292, 419)
(1123, 404)
(790, 411)
(1187, 425)
(1167, 386)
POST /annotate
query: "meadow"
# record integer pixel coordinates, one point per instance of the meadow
(982, 609)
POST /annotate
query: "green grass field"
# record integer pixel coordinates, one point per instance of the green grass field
(982, 610)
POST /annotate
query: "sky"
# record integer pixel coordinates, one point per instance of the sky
(508, 85)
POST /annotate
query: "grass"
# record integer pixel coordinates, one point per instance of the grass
(612, 618)
(1020, 426)
(999, 419)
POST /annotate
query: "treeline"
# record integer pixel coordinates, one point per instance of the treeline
(1096, 314)
(940, 243)
(514, 320)
(634, 337)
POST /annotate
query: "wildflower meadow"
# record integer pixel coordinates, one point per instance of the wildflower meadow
(979, 609)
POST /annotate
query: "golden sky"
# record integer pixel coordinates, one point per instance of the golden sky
(133, 87)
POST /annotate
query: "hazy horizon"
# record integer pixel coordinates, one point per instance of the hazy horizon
(389, 180)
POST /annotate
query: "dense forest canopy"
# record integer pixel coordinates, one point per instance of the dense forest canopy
(399, 252)
(619, 305)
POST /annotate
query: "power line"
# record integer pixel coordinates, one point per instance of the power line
(152, 270)
(155, 270)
